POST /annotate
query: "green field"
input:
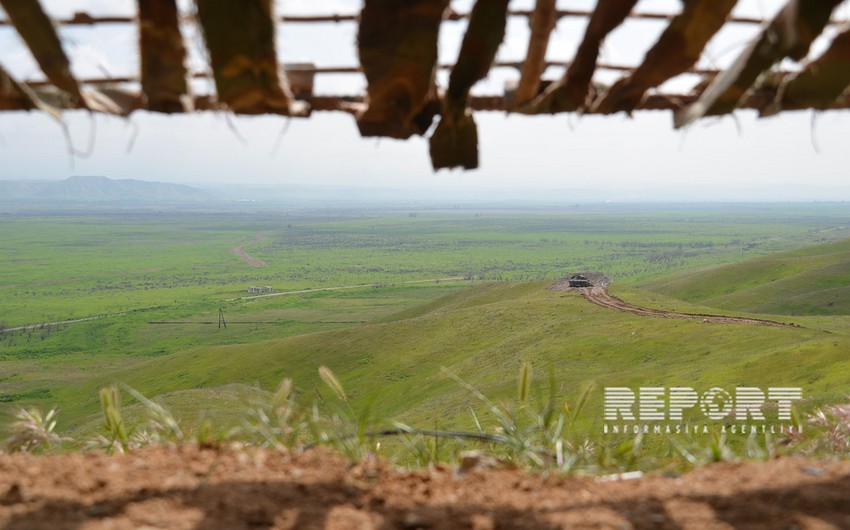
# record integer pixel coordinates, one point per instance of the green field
(466, 290)
(810, 281)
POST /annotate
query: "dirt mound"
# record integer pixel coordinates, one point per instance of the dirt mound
(190, 488)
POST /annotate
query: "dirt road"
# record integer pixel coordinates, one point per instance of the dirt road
(342, 288)
(601, 297)
(59, 323)
(247, 258)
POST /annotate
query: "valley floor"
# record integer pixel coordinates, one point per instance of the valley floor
(185, 487)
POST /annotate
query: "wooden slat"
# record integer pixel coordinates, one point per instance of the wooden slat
(240, 37)
(12, 95)
(397, 45)
(163, 57)
(301, 68)
(571, 92)
(820, 83)
(789, 34)
(542, 22)
(88, 19)
(18, 96)
(39, 34)
(677, 50)
(455, 141)
(482, 103)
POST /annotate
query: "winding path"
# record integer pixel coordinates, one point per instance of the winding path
(601, 297)
(247, 258)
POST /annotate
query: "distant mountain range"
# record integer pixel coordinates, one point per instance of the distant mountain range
(98, 189)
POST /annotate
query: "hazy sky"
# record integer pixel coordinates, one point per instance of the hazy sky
(638, 157)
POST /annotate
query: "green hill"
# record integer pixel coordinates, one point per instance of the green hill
(483, 334)
(90, 189)
(810, 281)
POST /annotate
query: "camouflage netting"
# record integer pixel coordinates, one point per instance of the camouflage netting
(397, 46)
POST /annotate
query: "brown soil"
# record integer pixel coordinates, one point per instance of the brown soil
(598, 294)
(249, 259)
(187, 487)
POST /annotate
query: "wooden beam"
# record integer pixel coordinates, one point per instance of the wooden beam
(301, 68)
(676, 51)
(789, 34)
(542, 22)
(455, 140)
(82, 18)
(163, 57)
(240, 37)
(397, 45)
(571, 92)
(39, 34)
(820, 83)
(485, 103)
(12, 95)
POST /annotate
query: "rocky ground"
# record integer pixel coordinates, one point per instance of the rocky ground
(187, 487)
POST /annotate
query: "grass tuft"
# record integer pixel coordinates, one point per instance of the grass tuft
(333, 383)
(32, 432)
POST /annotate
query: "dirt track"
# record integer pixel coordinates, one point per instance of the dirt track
(600, 296)
(205, 489)
(249, 259)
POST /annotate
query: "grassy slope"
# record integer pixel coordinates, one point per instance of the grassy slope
(33, 364)
(182, 268)
(810, 281)
(483, 334)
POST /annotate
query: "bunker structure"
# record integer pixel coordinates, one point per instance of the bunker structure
(580, 280)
